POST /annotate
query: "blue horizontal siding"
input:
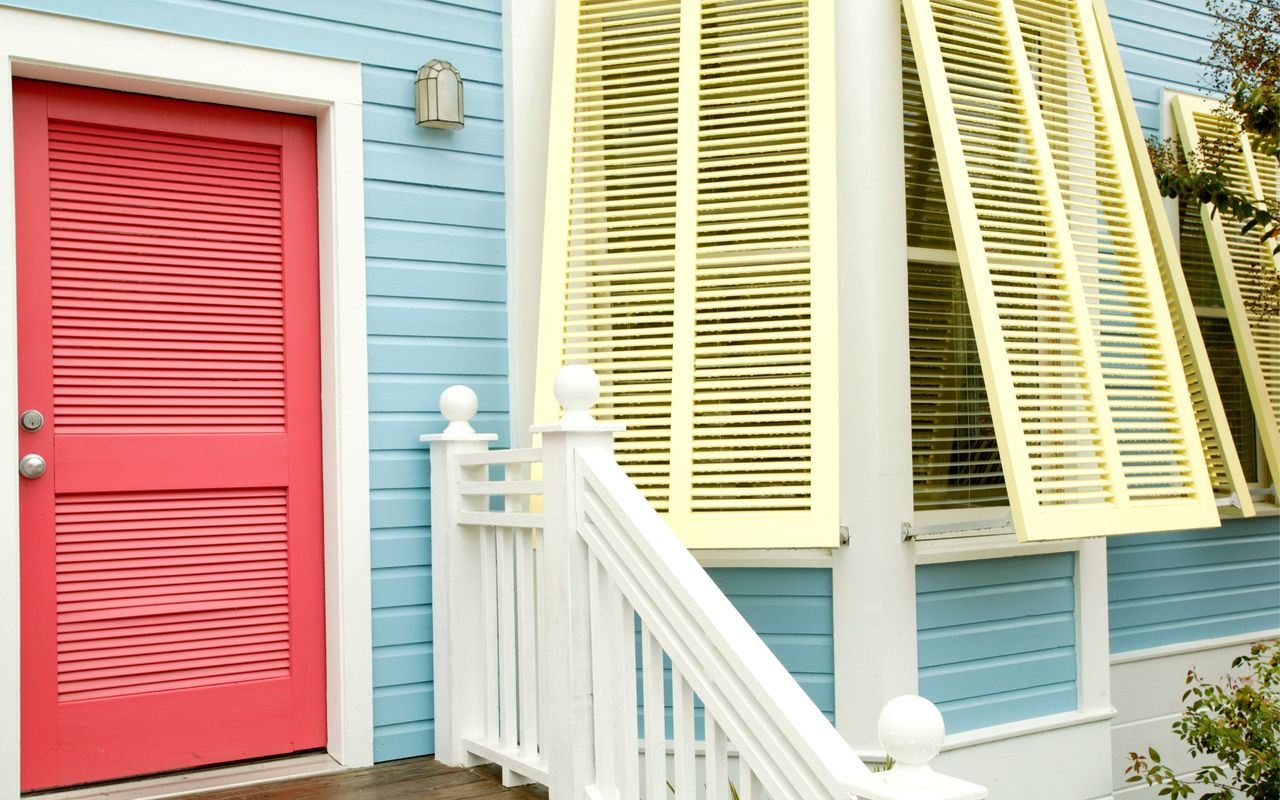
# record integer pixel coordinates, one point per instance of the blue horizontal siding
(997, 638)
(1169, 588)
(790, 608)
(1161, 44)
(435, 273)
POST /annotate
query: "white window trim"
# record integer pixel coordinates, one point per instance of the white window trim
(51, 47)
(1093, 625)
(1194, 646)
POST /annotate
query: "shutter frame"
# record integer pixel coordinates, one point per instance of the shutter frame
(1212, 421)
(817, 525)
(1032, 519)
(1263, 393)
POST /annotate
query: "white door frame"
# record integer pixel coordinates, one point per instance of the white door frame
(50, 47)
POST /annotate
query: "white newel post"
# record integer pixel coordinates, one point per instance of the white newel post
(456, 566)
(911, 731)
(564, 652)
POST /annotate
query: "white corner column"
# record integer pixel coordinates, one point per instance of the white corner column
(874, 575)
(1093, 629)
(529, 27)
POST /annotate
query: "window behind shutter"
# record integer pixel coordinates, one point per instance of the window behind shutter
(1091, 409)
(689, 255)
(1244, 264)
(955, 458)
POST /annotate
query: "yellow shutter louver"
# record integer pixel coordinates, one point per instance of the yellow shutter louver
(1221, 456)
(689, 256)
(1094, 420)
(1243, 263)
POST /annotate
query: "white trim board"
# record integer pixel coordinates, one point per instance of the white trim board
(1194, 646)
(50, 47)
(980, 548)
(1149, 700)
(1057, 763)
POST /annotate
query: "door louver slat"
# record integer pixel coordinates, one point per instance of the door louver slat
(113, 262)
(154, 593)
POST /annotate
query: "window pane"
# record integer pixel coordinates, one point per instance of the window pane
(1235, 396)
(1202, 281)
(1197, 262)
(955, 459)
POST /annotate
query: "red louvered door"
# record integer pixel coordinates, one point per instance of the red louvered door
(172, 581)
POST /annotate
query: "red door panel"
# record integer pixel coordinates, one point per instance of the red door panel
(172, 577)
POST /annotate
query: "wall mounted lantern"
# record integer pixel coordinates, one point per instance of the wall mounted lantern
(439, 96)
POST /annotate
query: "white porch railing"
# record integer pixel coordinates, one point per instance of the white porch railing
(578, 642)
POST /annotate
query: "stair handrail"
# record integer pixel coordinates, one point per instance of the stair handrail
(596, 523)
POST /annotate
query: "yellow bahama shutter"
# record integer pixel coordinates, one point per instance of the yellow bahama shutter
(1221, 456)
(689, 255)
(1095, 424)
(1243, 263)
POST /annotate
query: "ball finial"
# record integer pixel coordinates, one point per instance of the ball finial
(911, 732)
(577, 389)
(459, 404)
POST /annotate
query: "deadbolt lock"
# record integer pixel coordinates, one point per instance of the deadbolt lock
(31, 420)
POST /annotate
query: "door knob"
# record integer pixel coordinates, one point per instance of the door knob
(31, 466)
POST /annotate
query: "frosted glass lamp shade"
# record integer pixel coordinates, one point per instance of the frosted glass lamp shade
(439, 96)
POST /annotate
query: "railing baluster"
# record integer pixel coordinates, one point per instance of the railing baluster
(717, 759)
(655, 717)
(748, 784)
(526, 599)
(507, 726)
(602, 675)
(489, 613)
(686, 782)
(626, 737)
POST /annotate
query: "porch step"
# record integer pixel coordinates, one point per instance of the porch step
(407, 779)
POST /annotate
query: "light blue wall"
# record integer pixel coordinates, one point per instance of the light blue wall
(436, 277)
(1170, 588)
(791, 610)
(997, 638)
(1160, 44)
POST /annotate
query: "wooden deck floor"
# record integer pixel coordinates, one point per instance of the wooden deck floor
(410, 779)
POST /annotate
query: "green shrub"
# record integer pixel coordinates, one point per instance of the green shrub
(1236, 722)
